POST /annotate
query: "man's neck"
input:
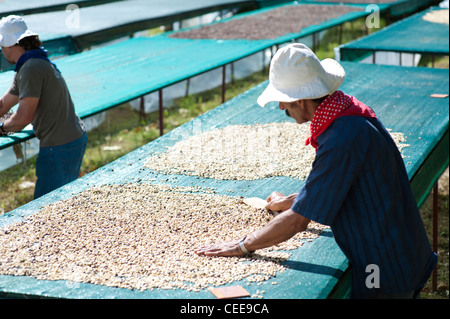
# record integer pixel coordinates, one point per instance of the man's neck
(17, 53)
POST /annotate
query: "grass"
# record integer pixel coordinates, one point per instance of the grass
(442, 291)
(438, 62)
(124, 130)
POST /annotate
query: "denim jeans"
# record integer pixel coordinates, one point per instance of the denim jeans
(58, 165)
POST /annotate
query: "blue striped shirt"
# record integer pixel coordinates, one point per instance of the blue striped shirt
(359, 186)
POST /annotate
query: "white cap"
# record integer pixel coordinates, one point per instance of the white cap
(13, 29)
(296, 74)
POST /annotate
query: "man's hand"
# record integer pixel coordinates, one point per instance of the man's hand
(279, 229)
(278, 202)
(24, 114)
(7, 101)
(227, 249)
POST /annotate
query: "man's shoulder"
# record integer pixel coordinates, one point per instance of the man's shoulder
(351, 120)
(344, 130)
(35, 65)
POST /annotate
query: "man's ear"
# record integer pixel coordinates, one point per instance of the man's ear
(301, 104)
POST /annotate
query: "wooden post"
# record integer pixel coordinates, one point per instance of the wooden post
(161, 113)
(435, 232)
(187, 87)
(223, 82)
(142, 115)
(314, 41)
(232, 73)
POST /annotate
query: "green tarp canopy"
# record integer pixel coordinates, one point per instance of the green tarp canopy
(401, 98)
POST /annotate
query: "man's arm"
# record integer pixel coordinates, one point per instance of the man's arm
(279, 229)
(23, 116)
(277, 202)
(7, 102)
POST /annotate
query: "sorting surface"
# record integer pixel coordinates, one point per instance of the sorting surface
(394, 7)
(73, 29)
(411, 35)
(110, 18)
(109, 76)
(396, 94)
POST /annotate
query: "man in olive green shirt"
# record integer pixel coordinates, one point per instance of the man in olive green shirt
(45, 102)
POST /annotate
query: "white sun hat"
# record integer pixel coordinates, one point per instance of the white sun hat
(13, 29)
(296, 73)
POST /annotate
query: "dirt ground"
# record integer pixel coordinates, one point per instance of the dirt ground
(443, 183)
(441, 290)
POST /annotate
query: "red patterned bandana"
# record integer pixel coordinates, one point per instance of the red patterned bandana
(336, 105)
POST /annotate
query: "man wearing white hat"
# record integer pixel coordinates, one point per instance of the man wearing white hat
(358, 184)
(45, 102)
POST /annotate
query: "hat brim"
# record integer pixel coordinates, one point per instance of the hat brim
(11, 39)
(26, 34)
(328, 83)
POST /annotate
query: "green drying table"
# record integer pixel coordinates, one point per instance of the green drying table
(106, 77)
(72, 30)
(410, 35)
(393, 7)
(101, 23)
(22, 7)
(318, 269)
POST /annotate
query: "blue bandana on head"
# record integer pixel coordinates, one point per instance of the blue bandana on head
(33, 54)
